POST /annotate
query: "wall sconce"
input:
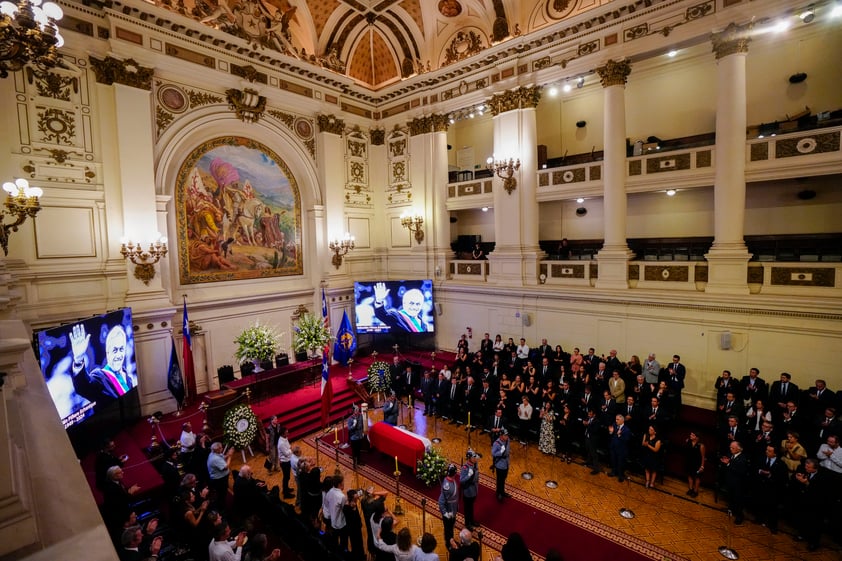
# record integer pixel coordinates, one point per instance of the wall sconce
(413, 223)
(144, 261)
(340, 248)
(29, 33)
(22, 202)
(505, 170)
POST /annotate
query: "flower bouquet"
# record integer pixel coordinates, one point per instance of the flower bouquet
(311, 334)
(379, 378)
(258, 342)
(431, 467)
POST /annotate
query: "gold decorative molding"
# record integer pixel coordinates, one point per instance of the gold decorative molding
(377, 137)
(734, 39)
(421, 125)
(465, 44)
(127, 72)
(614, 73)
(50, 84)
(439, 123)
(247, 104)
(329, 123)
(521, 98)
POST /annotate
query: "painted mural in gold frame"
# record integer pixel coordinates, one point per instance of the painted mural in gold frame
(238, 213)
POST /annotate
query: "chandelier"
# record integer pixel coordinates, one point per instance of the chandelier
(22, 203)
(505, 170)
(340, 248)
(28, 34)
(413, 223)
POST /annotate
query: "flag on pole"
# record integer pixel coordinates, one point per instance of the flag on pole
(187, 356)
(175, 383)
(346, 342)
(327, 390)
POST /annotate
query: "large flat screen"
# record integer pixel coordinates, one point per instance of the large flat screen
(394, 306)
(89, 364)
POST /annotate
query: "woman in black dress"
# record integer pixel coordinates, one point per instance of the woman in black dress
(694, 463)
(566, 423)
(651, 457)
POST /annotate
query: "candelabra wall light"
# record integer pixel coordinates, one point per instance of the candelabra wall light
(29, 34)
(505, 170)
(144, 260)
(22, 203)
(413, 223)
(340, 248)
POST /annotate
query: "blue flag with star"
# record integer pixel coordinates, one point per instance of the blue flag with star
(346, 341)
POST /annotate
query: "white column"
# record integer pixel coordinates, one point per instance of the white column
(516, 254)
(331, 222)
(439, 217)
(728, 256)
(614, 256)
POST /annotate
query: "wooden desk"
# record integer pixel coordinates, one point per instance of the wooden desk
(278, 380)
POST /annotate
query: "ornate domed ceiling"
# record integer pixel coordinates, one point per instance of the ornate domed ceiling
(377, 42)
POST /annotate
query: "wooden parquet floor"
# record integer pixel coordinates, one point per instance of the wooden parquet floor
(691, 528)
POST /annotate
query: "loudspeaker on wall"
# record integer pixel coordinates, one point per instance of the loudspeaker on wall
(438, 308)
(725, 340)
(527, 321)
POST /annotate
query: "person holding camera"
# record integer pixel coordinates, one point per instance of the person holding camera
(449, 501)
(469, 483)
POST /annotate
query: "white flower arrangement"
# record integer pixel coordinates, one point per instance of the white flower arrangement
(259, 342)
(431, 467)
(311, 334)
(239, 426)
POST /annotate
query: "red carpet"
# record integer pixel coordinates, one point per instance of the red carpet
(541, 523)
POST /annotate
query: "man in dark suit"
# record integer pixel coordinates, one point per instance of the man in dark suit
(471, 401)
(676, 372)
(395, 371)
(769, 481)
(794, 419)
(812, 493)
(631, 412)
(620, 435)
(132, 542)
(441, 396)
(456, 400)
(428, 385)
(753, 387)
(409, 382)
(767, 436)
(592, 436)
(486, 346)
(656, 414)
(818, 398)
(587, 401)
(781, 392)
(724, 384)
(823, 426)
(731, 432)
(547, 371)
(730, 406)
(544, 350)
(736, 478)
(613, 363)
(496, 424)
(607, 408)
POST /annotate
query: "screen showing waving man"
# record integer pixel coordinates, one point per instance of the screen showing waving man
(409, 317)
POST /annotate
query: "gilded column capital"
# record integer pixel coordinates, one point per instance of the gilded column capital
(377, 137)
(329, 123)
(732, 40)
(614, 73)
(420, 125)
(521, 98)
(128, 72)
(440, 123)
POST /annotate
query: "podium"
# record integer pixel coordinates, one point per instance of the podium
(218, 403)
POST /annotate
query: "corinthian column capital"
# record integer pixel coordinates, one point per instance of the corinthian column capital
(614, 73)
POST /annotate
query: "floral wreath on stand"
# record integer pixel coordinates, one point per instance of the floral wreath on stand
(240, 426)
(431, 467)
(379, 378)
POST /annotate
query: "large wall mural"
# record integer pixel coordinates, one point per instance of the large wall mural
(238, 209)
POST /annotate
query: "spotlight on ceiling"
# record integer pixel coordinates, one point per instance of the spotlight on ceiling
(580, 82)
(485, 209)
(672, 53)
(836, 11)
(553, 91)
(580, 200)
(671, 192)
(808, 15)
(567, 88)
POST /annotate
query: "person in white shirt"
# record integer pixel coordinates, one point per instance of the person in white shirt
(285, 459)
(221, 549)
(830, 454)
(524, 415)
(404, 549)
(187, 438)
(498, 343)
(522, 350)
(293, 461)
(447, 373)
(336, 501)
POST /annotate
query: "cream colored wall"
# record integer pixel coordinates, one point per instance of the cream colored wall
(806, 347)
(557, 116)
(474, 222)
(477, 132)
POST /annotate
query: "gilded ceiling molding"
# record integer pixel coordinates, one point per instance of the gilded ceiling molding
(734, 39)
(614, 73)
(247, 104)
(377, 136)
(127, 72)
(329, 123)
(440, 123)
(521, 98)
(464, 45)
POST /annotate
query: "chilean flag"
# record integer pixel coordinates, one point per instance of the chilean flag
(327, 389)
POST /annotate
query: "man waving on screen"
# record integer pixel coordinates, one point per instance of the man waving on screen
(410, 317)
(111, 380)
